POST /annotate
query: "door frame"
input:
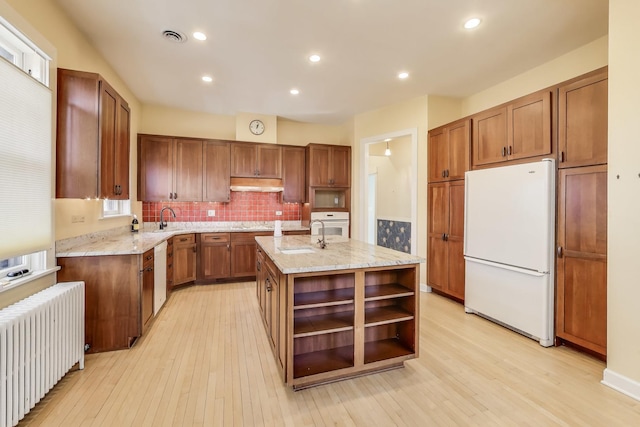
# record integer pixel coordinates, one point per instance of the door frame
(365, 143)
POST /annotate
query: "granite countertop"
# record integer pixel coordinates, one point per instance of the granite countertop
(341, 253)
(122, 242)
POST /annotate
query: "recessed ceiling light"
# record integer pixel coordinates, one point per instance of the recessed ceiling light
(403, 75)
(472, 23)
(314, 58)
(207, 79)
(199, 36)
(294, 91)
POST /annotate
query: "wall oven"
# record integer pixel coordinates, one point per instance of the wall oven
(335, 223)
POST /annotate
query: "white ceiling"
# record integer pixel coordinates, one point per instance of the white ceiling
(257, 50)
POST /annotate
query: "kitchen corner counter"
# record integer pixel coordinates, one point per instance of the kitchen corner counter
(122, 242)
(340, 253)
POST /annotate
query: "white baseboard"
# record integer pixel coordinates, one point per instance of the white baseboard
(424, 288)
(621, 383)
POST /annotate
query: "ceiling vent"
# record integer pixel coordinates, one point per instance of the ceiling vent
(174, 36)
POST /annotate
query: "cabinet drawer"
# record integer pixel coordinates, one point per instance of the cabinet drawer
(185, 239)
(214, 237)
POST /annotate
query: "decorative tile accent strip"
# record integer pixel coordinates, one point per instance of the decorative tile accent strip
(394, 235)
(244, 206)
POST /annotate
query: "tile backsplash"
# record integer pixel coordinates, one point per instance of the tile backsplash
(244, 206)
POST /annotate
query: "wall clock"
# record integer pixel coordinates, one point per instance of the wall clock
(256, 127)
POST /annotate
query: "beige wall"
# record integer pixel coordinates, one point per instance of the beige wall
(393, 200)
(74, 51)
(582, 60)
(443, 110)
(623, 278)
(297, 133)
(160, 120)
(404, 115)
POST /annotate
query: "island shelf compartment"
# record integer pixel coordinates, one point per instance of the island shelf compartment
(389, 341)
(318, 354)
(322, 320)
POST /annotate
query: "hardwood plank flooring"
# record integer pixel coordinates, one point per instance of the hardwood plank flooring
(206, 361)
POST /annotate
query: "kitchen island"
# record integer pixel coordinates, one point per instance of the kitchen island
(343, 311)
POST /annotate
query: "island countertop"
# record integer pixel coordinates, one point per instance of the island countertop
(341, 253)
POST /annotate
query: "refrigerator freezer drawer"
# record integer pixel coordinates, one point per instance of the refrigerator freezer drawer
(520, 300)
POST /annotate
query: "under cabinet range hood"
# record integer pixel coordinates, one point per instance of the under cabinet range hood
(259, 185)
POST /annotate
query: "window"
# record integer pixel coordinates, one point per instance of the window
(115, 208)
(26, 229)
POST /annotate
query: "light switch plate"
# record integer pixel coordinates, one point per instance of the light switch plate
(278, 213)
(211, 212)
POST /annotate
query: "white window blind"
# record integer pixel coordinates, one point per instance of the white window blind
(25, 163)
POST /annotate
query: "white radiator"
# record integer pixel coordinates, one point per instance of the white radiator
(41, 338)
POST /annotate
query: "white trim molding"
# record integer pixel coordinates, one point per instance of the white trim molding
(621, 383)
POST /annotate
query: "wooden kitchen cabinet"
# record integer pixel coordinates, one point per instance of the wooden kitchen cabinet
(216, 171)
(581, 305)
(147, 289)
(114, 287)
(243, 253)
(92, 139)
(293, 174)
(445, 235)
(170, 169)
(520, 129)
(254, 160)
(214, 256)
(449, 148)
(583, 121)
(184, 259)
(328, 165)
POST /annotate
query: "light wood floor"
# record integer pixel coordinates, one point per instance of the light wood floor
(206, 362)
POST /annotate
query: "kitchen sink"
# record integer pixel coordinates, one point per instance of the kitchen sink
(297, 250)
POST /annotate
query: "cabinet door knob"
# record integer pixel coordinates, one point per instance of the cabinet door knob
(170, 196)
(561, 156)
(559, 251)
(504, 151)
(443, 173)
(443, 236)
(446, 173)
(509, 150)
(175, 196)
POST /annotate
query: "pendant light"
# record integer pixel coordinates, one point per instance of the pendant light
(387, 152)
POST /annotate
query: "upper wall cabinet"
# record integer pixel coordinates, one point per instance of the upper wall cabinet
(252, 160)
(216, 171)
(328, 165)
(182, 169)
(293, 174)
(583, 121)
(519, 130)
(92, 140)
(449, 151)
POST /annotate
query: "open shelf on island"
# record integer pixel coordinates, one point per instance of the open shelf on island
(322, 324)
(375, 316)
(389, 340)
(304, 300)
(385, 349)
(322, 361)
(391, 290)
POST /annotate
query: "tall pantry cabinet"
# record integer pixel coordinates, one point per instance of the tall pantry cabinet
(581, 295)
(449, 159)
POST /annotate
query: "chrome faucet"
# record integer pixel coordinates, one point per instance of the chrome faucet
(321, 242)
(163, 223)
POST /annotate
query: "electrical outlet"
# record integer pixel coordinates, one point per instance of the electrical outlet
(278, 213)
(77, 218)
(211, 212)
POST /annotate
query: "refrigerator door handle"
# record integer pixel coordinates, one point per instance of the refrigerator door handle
(507, 267)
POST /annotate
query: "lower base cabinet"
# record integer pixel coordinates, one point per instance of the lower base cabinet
(147, 289)
(118, 296)
(184, 256)
(334, 325)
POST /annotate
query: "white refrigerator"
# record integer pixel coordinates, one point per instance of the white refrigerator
(509, 232)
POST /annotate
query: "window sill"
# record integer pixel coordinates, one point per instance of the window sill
(5, 284)
(115, 216)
